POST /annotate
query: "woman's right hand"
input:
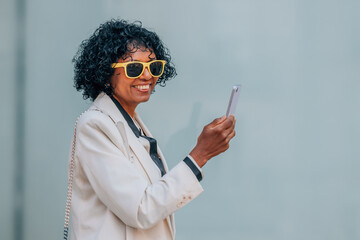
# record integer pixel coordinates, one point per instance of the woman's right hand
(214, 139)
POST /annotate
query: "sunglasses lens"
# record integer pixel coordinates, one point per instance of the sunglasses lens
(134, 69)
(156, 68)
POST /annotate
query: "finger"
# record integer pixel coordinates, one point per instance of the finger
(234, 123)
(217, 121)
(233, 117)
(224, 129)
(227, 132)
(228, 123)
(230, 136)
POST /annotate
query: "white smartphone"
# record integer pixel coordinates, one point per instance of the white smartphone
(233, 100)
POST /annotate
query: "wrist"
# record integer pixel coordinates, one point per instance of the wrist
(200, 160)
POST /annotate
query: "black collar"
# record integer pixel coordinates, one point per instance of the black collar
(127, 117)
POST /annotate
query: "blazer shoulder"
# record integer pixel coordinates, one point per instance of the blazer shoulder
(96, 120)
(94, 116)
(94, 125)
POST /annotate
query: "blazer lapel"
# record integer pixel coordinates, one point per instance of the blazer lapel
(147, 132)
(104, 103)
(170, 219)
(155, 172)
(143, 156)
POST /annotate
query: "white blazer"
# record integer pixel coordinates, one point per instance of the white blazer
(118, 191)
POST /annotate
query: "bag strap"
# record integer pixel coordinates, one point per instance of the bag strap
(71, 177)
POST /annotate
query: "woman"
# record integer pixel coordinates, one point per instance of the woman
(121, 187)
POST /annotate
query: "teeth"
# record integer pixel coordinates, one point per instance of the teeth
(142, 87)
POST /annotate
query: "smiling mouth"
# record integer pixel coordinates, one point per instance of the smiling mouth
(142, 87)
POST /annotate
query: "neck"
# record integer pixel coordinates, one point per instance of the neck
(130, 109)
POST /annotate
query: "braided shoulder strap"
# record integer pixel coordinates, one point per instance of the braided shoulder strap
(71, 177)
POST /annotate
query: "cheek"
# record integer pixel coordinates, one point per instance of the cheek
(119, 83)
(123, 87)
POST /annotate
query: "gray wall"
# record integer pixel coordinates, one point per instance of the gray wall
(7, 117)
(292, 171)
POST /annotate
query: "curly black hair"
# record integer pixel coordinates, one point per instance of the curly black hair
(110, 42)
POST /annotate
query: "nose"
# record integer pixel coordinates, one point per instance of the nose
(146, 74)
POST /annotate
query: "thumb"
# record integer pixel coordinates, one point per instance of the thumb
(217, 121)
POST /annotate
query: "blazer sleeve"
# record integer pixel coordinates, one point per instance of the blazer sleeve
(118, 183)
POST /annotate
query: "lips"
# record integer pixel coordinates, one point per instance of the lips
(143, 87)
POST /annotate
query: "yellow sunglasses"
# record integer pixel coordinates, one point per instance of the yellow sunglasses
(135, 69)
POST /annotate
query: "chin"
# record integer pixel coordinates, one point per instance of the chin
(144, 99)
